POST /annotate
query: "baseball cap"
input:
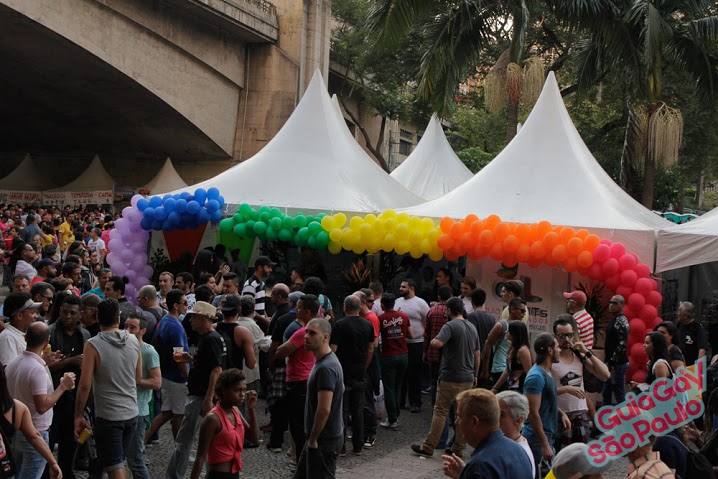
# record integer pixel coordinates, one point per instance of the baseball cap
(203, 308)
(295, 296)
(263, 261)
(17, 302)
(230, 302)
(46, 262)
(572, 462)
(578, 296)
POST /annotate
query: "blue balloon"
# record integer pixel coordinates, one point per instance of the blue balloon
(193, 207)
(203, 216)
(170, 204)
(160, 213)
(212, 193)
(200, 196)
(184, 195)
(146, 224)
(166, 197)
(149, 213)
(156, 225)
(220, 198)
(142, 204)
(174, 218)
(155, 201)
(212, 206)
(216, 217)
(167, 225)
(186, 218)
(181, 206)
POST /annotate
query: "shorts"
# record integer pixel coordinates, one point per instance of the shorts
(112, 440)
(174, 396)
(222, 475)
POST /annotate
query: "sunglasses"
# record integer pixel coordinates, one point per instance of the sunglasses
(565, 336)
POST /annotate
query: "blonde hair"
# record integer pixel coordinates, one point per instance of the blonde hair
(482, 404)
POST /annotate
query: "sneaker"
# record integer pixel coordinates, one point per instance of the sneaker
(154, 442)
(275, 450)
(394, 425)
(356, 452)
(385, 423)
(350, 434)
(415, 409)
(426, 391)
(369, 441)
(420, 452)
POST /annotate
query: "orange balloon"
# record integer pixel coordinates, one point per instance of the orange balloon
(570, 264)
(551, 239)
(590, 242)
(445, 224)
(550, 260)
(470, 219)
(457, 229)
(445, 242)
(480, 251)
(466, 241)
(566, 234)
(486, 238)
(523, 254)
(476, 228)
(523, 233)
(574, 245)
(538, 250)
(534, 234)
(584, 259)
(511, 244)
(559, 253)
(497, 252)
(501, 231)
(582, 233)
(457, 250)
(544, 227)
(534, 263)
(509, 260)
(491, 221)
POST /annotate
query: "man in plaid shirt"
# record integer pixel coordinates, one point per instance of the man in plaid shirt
(437, 316)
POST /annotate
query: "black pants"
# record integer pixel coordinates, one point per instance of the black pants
(411, 386)
(372, 388)
(62, 433)
(320, 463)
(280, 421)
(354, 407)
(297, 397)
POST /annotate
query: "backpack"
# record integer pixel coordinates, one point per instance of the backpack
(323, 308)
(697, 465)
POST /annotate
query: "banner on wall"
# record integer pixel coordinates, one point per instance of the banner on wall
(125, 193)
(543, 290)
(77, 198)
(21, 197)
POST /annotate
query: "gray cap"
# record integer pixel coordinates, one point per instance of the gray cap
(295, 296)
(572, 462)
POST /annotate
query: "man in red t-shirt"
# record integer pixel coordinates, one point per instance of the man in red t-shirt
(394, 329)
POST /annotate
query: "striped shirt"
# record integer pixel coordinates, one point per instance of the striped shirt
(436, 318)
(649, 467)
(584, 321)
(255, 288)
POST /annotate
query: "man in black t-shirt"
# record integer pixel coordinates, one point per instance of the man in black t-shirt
(692, 337)
(353, 342)
(483, 321)
(207, 363)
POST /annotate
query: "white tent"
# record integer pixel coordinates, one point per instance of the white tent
(93, 186)
(24, 184)
(166, 179)
(695, 242)
(312, 164)
(432, 169)
(547, 173)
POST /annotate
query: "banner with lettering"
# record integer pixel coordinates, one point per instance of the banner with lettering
(20, 197)
(77, 198)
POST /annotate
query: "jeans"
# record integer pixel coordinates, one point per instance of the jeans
(297, 398)
(372, 379)
(537, 450)
(616, 385)
(112, 439)
(354, 407)
(412, 381)
(29, 464)
(445, 396)
(392, 373)
(136, 451)
(185, 437)
(320, 463)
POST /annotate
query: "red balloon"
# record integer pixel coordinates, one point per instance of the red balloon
(654, 298)
(601, 253)
(654, 284)
(610, 267)
(638, 354)
(636, 301)
(639, 376)
(628, 277)
(617, 250)
(624, 291)
(627, 262)
(642, 270)
(612, 282)
(637, 329)
(656, 321)
(595, 271)
(648, 312)
(643, 286)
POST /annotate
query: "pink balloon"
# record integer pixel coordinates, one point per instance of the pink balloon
(617, 250)
(610, 267)
(612, 282)
(624, 291)
(628, 278)
(642, 270)
(595, 271)
(637, 329)
(636, 301)
(601, 253)
(643, 286)
(654, 298)
(605, 241)
(649, 312)
(627, 262)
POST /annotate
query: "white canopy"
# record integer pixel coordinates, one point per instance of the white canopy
(695, 242)
(26, 177)
(94, 178)
(432, 169)
(311, 164)
(547, 173)
(167, 179)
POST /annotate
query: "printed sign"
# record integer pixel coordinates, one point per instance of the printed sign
(667, 405)
(77, 198)
(20, 197)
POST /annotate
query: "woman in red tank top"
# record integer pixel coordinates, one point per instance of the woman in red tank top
(222, 433)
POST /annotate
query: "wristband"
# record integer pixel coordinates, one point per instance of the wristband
(589, 355)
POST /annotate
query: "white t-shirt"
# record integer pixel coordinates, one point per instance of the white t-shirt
(525, 444)
(417, 309)
(23, 266)
(251, 375)
(12, 344)
(569, 374)
(98, 245)
(468, 307)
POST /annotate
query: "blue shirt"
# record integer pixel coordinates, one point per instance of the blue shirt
(170, 334)
(540, 382)
(96, 291)
(498, 457)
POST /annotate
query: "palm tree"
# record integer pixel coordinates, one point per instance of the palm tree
(639, 40)
(456, 33)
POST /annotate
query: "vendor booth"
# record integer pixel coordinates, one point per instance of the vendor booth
(166, 179)
(24, 184)
(93, 187)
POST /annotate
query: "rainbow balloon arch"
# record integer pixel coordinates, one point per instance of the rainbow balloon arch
(535, 244)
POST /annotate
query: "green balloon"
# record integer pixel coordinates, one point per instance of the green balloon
(312, 242)
(300, 221)
(245, 210)
(320, 216)
(226, 225)
(250, 226)
(285, 235)
(287, 223)
(240, 230)
(264, 216)
(303, 233)
(323, 240)
(310, 218)
(254, 216)
(275, 223)
(271, 235)
(315, 228)
(238, 218)
(260, 227)
(264, 209)
(275, 213)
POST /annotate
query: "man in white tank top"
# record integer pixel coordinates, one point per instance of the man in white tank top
(568, 374)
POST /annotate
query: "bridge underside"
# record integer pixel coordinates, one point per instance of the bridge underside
(57, 97)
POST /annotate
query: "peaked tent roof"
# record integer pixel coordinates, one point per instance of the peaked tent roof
(94, 178)
(695, 242)
(311, 164)
(432, 169)
(547, 173)
(166, 179)
(26, 177)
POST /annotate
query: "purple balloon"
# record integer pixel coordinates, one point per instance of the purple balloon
(130, 290)
(141, 281)
(119, 268)
(134, 200)
(138, 247)
(115, 245)
(121, 224)
(126, 255)
(147, 271)
(138, 262)
(114, 234)
(126, 211)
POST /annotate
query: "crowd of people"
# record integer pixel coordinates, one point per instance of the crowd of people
(89, 376)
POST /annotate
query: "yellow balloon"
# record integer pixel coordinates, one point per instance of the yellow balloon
(415, 237)
(335, 235)
(416, 253)
(366, 230)
(402, 230)
(374, 245)
(390, 224)
(415, 223)
(425, 246)
(328, 223)
(340, 219)
(389, 214)
(403, 218)
(379, 226)
(358, 249)
(334, 248)
(436, 254)
(388, 243)
(427, 225)
(402, 247)
(355, 222)
(433, 235)
(370, 218)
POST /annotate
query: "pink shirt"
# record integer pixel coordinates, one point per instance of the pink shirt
(27, 376)
(301, 361)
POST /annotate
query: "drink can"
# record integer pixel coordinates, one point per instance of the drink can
(84, 435)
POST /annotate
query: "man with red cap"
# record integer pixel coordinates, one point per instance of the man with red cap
(576, 305)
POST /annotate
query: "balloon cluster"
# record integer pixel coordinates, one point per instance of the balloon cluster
(511, 243)
(128, 249)
(270, 224)
(181, 211)
(388, 231)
